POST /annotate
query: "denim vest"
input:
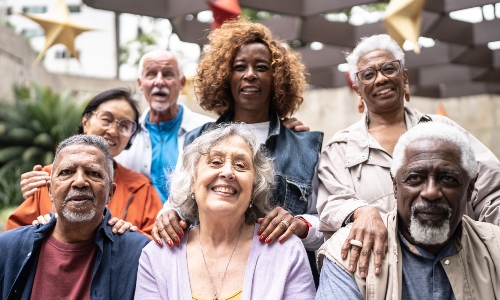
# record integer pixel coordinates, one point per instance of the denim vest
(295, 156)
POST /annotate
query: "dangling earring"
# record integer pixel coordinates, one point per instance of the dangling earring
(192, 196)
(407, 92)
(361, 105)
(251, 204)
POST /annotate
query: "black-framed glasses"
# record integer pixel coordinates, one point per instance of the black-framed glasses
(389, 69)
(106, 119)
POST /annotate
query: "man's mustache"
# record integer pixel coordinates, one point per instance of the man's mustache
(79, 194)
(163, 90)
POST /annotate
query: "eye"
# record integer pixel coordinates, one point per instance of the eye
(239, 165)
(168, 74)
(95, 174)
(239, 68)
(389, 69)
(65, 172)
(150, 74)
(448, 179)
(262, 68)
(367, 74)
(414, 178)
(216, 162)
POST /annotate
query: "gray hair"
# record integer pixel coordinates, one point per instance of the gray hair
(182, 181)
(156, 52)
(369, 44)
(436, 131)
(92, 140)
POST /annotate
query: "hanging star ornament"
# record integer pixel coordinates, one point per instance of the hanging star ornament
(402, 21)
(59, 29)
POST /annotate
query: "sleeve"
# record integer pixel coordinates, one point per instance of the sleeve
(146, 286)
(151, 203)
(299, 281)
(314, 237)
(36, 205)
(486, 194)
(336, 197)
(335, 283)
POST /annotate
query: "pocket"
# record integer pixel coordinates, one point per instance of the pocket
(297, 193)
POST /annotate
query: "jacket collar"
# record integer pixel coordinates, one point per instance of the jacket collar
(187, 123)
(104, 229)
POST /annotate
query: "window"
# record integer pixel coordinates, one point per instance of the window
(63, 54)
(74, 8)
(35, 9)
(33, 32)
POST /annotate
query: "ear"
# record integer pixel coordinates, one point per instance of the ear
(356, 89)
(183, 81)
(470, 189)
(405, 77)
(139, 82)
(112, 189)
(85, 124)
(48, 184)
(394, 186)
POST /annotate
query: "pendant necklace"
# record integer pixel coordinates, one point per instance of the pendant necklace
(216, 291)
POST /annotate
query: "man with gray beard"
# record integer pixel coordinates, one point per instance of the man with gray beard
(435, 250)
(74, 256)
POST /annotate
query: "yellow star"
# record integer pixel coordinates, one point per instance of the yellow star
(59, 28)
(403, 19)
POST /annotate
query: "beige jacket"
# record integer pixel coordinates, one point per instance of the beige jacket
(473, 272)
(354, 172)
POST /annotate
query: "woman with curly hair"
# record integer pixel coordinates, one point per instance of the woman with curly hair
(248, 76)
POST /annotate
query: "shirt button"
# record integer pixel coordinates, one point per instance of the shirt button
(447, 262)
(370, 158)
(362, 156)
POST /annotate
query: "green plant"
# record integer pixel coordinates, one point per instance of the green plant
(30, 130)
(10, 191)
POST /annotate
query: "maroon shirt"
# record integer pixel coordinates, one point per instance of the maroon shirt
(64, 271)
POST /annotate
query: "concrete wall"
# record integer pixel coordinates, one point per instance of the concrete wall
(331, 110)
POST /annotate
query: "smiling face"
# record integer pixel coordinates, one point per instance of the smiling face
(120, 109)
(431, 189)
(160, 81)
(251, 82)
(80, 186)
(224, 179)
(385, 94)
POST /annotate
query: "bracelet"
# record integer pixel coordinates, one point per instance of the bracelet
(307, 229)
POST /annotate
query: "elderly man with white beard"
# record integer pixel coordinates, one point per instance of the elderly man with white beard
(435, 250)
(74, 256)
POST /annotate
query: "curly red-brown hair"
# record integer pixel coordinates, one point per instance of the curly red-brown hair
(212, 81)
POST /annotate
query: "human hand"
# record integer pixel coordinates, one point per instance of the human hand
(274, 225)
(120, 226)
(369, 229)
(293, 123)
(170, 227)
(43, 219)
(32, 180)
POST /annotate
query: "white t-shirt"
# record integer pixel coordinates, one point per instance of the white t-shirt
(259, 129)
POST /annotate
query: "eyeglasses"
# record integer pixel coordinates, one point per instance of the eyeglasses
(389, 69)
(106, 119)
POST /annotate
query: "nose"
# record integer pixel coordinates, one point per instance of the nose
(380, 78)
(80, 180)
(227, 172)
(159, 80)
(250, 73)
(112, 129)
(431, 190)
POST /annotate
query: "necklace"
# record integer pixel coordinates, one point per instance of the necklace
(216, 291)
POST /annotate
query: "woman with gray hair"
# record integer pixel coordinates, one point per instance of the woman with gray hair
(355, 184)
(224, 185)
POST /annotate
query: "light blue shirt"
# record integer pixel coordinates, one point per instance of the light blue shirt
(165, 151)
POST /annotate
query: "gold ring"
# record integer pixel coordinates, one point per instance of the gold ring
(160, 229)
(285, 223)
(356, 243)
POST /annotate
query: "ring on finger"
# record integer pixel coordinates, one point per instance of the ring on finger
(160, 229)
(356, 243)
(285, 223)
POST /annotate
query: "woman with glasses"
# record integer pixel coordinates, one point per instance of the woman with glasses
(113, 115)
(355, 181)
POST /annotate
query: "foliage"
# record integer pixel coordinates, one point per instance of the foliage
(30, 130)
(10, 191)
(143, 43)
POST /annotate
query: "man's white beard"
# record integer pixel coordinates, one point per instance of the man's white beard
(76, 216)
(161, 106)
(426, 233)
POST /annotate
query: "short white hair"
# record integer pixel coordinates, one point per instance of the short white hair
(436, 131)
(154, 53)
(369, 44)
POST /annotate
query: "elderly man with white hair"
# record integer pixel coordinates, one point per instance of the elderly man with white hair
(435, 250)
(163, 125)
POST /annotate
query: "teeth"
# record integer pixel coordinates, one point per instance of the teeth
(224, 190)
(250, 90)
(384, 91)
(110, 143)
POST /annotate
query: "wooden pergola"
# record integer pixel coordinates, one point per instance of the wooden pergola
(459, 64)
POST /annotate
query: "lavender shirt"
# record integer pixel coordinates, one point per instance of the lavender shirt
(276, 271)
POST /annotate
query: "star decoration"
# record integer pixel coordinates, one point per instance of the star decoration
(59, 28)
(403, 19)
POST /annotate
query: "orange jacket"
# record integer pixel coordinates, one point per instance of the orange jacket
(131, 187)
